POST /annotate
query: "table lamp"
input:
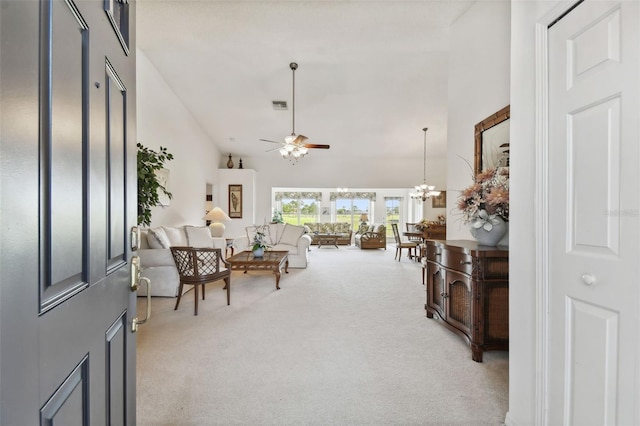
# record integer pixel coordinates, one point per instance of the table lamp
(364, 218)
(216, 216)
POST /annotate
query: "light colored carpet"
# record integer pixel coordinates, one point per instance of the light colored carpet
(344, 342)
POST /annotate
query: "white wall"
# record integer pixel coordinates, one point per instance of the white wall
(247, 178)
(478, 87)
(164, 121)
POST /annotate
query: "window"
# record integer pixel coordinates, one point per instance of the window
(350, 210)
(392, 214)
(300, 211)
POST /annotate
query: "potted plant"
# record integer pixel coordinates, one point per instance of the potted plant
(150, 161)
(485, 205)
(260, 241)
(277, 217)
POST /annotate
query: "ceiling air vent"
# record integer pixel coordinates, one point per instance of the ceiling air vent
(279, 105)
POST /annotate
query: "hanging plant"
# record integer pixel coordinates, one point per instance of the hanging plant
(150, 161)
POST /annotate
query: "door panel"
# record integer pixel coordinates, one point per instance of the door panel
(459, 307)
(68, 176)
(593, 214)
(63, 129)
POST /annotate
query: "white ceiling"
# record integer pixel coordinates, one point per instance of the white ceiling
(371, 73)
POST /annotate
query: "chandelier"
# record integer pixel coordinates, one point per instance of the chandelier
(424, 191)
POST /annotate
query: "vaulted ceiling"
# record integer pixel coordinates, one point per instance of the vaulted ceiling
(371, 73)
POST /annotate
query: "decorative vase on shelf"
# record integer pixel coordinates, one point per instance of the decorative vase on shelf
(230, 163)
(492, 236)
(259, 252)
(240, 165)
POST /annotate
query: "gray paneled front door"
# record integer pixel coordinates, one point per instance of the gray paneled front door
(68, 194)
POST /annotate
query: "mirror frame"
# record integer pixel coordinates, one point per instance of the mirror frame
(494, 119)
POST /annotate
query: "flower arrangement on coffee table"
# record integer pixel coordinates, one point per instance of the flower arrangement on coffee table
(259, 244)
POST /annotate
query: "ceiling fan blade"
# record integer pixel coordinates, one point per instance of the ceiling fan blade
(273, 149)
(267, 140)
(299, 140)
(313, 145)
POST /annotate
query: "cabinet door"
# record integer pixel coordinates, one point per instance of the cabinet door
(435, 289)
(458, 303)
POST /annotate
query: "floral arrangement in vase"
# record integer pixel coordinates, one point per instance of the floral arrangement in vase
(259, 244)
(425, 223)
(485, 203)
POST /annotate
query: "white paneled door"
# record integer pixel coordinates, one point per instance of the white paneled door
(594, 238)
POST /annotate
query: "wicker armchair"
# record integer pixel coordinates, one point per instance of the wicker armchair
(198, 266)
(375, 237)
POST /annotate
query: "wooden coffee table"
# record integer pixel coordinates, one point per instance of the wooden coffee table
(327, 239)
(270, 261)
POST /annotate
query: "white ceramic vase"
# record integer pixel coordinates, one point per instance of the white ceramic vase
(492, 237)
(259, 252)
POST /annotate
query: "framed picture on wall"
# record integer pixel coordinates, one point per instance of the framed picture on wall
(439, 201)
(235, 201)
(162, 176)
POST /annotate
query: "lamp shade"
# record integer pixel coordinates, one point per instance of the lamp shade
(216, 216)
(364, 217)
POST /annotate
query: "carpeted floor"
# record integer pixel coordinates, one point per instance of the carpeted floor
(344, 342)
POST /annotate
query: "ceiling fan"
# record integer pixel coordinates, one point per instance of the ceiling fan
(294, 146)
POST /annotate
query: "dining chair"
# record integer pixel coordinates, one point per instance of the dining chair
(199, 266)
(409, 245)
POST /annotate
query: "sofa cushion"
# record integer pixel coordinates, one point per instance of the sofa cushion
(293, 250)
(313, 227)
(176, 236)
(157, 239)
(341, 227)
(198, 236)
(291, 234)
(269, 233)
(325, 228)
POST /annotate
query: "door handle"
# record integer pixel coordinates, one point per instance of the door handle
(134, 285)
(136, 322)
(135, 273)
(135, 238)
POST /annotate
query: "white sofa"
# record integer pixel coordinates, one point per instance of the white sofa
(156, 260)
(281, 236)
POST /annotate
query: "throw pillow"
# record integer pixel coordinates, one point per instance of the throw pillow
(157, 239)
(176, 236)
(199, 236)
(291, 234)
(269, 238)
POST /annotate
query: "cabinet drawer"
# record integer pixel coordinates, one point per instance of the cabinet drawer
(434, 253)
(457, 261)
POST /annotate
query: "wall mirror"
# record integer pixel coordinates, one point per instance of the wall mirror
(492, 141)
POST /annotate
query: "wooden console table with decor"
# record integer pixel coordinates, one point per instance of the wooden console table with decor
(467, 289)
(435, 232)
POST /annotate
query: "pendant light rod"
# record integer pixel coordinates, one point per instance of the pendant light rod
(424, 157)
(293, 67)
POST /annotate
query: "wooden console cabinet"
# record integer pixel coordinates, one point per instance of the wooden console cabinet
(467, 288)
